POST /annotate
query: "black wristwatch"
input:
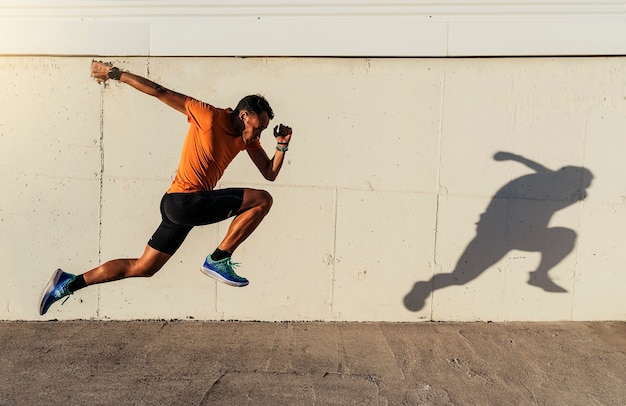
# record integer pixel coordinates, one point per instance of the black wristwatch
(115, 73)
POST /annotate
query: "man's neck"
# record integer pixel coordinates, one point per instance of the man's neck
(238, 126)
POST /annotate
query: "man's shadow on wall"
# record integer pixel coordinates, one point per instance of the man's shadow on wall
(517, 219)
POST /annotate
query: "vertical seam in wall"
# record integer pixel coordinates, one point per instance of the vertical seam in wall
(334, 254)
(435, 266)
(580, 214)
(101, 188)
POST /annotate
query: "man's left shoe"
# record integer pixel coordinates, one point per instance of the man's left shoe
(223, 271)
(55, 289)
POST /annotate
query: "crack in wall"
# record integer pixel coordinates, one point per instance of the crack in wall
(333, 262)
(101, 188)
(438, 194)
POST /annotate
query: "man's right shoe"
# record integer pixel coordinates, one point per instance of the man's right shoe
(55, 289)
(223, 271)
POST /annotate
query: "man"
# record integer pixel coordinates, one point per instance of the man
(214, 138)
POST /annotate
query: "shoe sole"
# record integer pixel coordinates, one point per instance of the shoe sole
(212, 274)
(54, 279)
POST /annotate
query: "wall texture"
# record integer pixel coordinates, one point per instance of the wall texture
(415, 189)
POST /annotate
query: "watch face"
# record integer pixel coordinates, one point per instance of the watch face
(114, 73)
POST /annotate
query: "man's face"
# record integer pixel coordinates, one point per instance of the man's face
(254, 124)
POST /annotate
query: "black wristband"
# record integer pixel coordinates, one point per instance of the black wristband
(115, 73)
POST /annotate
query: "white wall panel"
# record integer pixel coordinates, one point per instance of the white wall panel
(73, 37)
(312, 28)
(50, 163)
(559, 37)
(297, 36)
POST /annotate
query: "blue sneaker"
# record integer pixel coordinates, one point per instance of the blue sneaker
(55, 289)
(222, 271)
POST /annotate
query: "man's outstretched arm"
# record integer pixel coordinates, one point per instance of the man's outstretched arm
(100, 71)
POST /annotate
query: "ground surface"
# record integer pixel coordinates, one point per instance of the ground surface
(232, 363)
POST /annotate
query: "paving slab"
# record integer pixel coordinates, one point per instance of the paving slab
(303, 363)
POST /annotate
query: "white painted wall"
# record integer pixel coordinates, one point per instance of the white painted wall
(391, 167)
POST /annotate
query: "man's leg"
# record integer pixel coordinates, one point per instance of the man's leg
(254, 207)
(63, 284)
(147, 265)
(255, 204)
(167, 238)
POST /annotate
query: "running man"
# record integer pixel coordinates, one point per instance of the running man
(214, 138)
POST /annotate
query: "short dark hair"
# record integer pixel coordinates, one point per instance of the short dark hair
(256, 104)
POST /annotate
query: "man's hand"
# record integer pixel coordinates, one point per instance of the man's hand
(100, 71)
(282, 134)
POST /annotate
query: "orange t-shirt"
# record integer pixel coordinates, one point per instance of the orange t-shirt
(210, 146)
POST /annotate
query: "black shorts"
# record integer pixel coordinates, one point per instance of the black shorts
(180, 212)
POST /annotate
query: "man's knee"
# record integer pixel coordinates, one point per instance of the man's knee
(143, 270)
(267, 200)
(259, 198)
(150, 263)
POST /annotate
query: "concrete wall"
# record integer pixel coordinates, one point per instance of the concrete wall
(392, 165)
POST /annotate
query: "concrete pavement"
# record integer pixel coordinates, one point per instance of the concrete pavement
(301, 363)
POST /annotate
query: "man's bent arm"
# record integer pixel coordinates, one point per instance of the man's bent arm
(100, 71)
(269, 168)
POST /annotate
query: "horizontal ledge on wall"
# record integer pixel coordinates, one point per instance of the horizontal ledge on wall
(401, 37)
(443, 9)
(403, 28)
(74, 38)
